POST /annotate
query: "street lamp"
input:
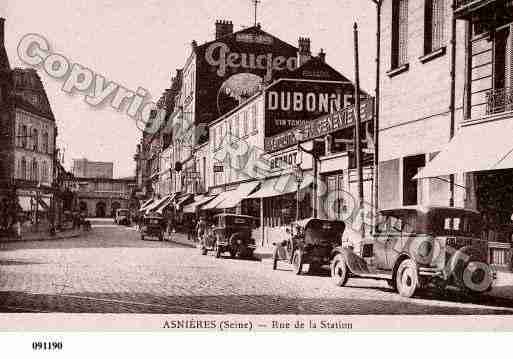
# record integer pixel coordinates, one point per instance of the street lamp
(298, 176)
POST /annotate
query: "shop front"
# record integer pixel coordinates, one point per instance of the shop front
(486, 169)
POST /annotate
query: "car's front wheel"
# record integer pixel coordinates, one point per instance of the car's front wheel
(339, 270)
(407, 278)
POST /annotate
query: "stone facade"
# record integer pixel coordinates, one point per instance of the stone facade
(100, 197)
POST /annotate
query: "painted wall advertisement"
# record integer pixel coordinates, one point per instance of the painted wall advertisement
(235, 67)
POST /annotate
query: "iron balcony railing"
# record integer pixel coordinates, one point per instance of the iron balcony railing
(499, 100)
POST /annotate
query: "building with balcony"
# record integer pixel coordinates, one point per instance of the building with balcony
(445, 113)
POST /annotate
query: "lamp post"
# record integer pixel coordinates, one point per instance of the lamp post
(298, 175)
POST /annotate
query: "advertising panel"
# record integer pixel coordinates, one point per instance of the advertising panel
(292, 103)
(233, 68)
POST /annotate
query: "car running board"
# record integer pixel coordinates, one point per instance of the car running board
(385, 276)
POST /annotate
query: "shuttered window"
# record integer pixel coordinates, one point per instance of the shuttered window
(434, 25)
(399, 33)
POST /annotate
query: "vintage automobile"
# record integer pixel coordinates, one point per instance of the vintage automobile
(416, 246)
(153, 225)
(122, 217)
(312, 243)
(232, 234)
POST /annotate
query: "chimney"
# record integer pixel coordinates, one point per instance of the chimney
(4, 60)
(2, 31)
(304, 50)
(223, 28)
(322, 56)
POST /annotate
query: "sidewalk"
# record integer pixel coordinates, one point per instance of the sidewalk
(42, 236)
(503, 286)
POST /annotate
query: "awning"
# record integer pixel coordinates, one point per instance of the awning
(146, 204)
(164, 204)
(44, 203)
(481, 147)
(26, 204)
(183, 199)
(198, 201)
(155, 204)
(280, 185)
(231, 198)
(213, 204)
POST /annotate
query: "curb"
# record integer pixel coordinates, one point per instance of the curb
(54, 238)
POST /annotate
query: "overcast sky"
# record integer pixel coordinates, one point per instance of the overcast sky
(142, 43)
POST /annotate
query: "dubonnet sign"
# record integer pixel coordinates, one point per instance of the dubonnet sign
(320, 127)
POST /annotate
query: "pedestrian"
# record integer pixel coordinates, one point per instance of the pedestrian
(201, 227)
(191, 230)
(18, 227)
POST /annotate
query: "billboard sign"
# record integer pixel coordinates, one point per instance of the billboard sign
(292, 103)
(234, 68)
(321, 126)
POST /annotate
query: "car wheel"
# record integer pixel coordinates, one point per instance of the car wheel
(204, 251)
(339, 270)
(314, 268)
(407, 278)
(275, 259)
(297, 261)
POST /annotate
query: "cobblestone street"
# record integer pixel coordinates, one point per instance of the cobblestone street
(110, 270)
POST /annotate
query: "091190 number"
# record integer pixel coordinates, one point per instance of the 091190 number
(47, 345)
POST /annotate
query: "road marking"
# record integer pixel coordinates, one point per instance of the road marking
(141, 304)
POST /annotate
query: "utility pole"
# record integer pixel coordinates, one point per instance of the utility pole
(375, 178)
(452, 104)
(358, 146)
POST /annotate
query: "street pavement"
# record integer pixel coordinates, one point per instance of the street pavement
(111, 270)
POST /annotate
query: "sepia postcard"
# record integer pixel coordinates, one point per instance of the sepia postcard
(256, 166)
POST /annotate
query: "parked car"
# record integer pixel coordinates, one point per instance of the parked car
(122, 216)
(312, 243)
(416, 246)
(232, 234)
(153, 225)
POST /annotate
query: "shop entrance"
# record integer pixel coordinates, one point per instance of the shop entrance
(494, 194)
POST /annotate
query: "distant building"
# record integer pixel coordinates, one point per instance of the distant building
(101, 197)
(89, 169)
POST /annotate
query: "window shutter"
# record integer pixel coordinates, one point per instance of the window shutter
(428, 26)
(403, 32)
(438, 24)
(509, 70)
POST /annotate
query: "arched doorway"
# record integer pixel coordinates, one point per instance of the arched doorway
(115, 206)
(101, 209)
